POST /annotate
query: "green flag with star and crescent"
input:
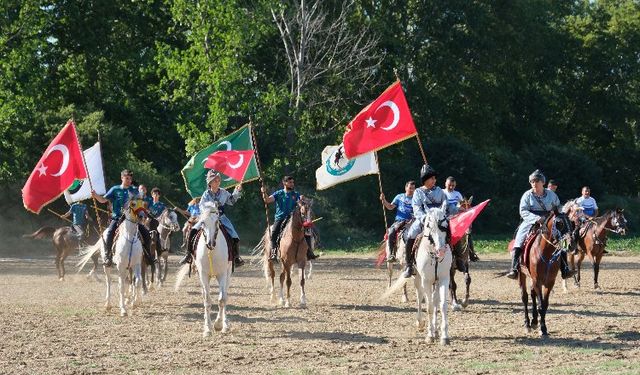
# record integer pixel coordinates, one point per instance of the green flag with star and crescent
(194, 172)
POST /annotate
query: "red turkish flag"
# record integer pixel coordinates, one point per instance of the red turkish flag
(462, 221)
(60, 165)
(233, 163)
(382, 123)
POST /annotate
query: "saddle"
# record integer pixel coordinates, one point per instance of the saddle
(116, 234)
(528, 242)
(582, 232)
(227, 237)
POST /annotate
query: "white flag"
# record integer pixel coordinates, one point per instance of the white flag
(336, 168)
(80, 189)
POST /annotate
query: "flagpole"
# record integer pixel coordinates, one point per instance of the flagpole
(174, 206)
(262, 187)
(58, 215)
(424, 156)
(384, 213)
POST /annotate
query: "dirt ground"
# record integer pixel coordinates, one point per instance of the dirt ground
(57, 327)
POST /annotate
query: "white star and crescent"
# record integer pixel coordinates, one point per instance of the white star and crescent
(396, 113)
(238, 164)
(42, 169)
(371, 123)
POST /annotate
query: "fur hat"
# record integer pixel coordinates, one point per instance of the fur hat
(427, 172)
(211, 175)
(537, 176)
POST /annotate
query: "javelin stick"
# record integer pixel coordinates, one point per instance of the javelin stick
(174, 206)
(384, 213)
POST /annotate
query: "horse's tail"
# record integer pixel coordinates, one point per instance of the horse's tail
(182, 273)
(395, 287)
(382, 253)
(42, 233)
(87, 253)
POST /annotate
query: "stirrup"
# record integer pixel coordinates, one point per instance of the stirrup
(392, 258)
(513, 274)
(473, 257)
(567, 273)
(273, 255)
(408, 272)
(238, 262)
(107, 262)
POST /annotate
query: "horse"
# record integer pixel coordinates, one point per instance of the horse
(292, 251)
(461, 263)
(65, 242)
(433, 260)
(160, 244)
(541, 264)
(127, 256)
(212, 258)
(312, 237)
(593, 240)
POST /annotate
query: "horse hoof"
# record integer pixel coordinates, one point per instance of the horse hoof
(444, 341)
(123, 314)
(527, 330)
(596, 286)
(544, 335)
(217, 325)
(430, 339)
(287, 305)
(465, 303)
(206, 333)
(457, 307)
(420, 324)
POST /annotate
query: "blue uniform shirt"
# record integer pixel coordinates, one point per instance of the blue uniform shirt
(194, 210)
(78, 213)
(157, 208)
(148, 200)
(119, 197)
(285, 202)
(404, 209)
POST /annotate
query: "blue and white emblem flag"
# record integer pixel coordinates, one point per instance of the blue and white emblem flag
(336, 168)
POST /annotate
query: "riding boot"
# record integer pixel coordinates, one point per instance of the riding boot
(515, 263)
(408, 257)
(564, 267)
(575, 235)
(190, 244)
(235, 248)
(391, 250)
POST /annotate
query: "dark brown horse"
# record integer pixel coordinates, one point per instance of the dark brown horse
(461, 257)
(292, 251)
(541, 264)
(65, 242)
(593, 240)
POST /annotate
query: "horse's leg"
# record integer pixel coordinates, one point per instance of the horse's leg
(107, 279)
(544, 304)
(444, 324)
(303, 296)
(433, 290)
(282, 277)
(94, 271)
(143, 271)
(203, 273)
(137, 286)
(309, 267)
(222, 302)
(287, 302)
(420, 320)
(271, 273)
(577, 276)
(467, 283)
(453, 287)
(535, 301)
(389, 273)
(525, 302)
(57, 263)
(405, 296)
(596, 270)
(122, 278)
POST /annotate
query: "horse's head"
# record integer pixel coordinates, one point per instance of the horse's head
(306, 210)
(169, 219)
(573, 210)
(135, 209)
(619, 222)
(558, 224)
(465, 204)
(436, 230)
(209, 216)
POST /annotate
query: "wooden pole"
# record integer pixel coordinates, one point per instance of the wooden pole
(58, 215)
(174, 206)
(384, 213)
(260, 176)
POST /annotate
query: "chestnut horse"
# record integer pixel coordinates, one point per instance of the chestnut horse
(594, 240)
(292, 251)
(542, 267)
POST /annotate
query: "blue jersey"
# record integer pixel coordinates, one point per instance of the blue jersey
(194, 210)
(285, 202)
(78, 213)
(404, 209)
(119, 197)
(156, 208)
(148, 200)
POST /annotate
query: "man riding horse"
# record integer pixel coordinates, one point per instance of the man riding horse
(79, 217)
(156, 208)
(589, 210)
(222, 198)
(119, 195)
(286, 200)
(535, 205)
(453, 200)
(428, 196)
(404, 214)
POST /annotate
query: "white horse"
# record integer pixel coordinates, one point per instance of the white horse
(127, 257)
(211, 259)
(167, 224)
(433, 261)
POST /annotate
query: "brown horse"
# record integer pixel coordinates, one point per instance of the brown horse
(461, 257)
(541, 264)
(65, 242)
(292, 251)
(593, 240)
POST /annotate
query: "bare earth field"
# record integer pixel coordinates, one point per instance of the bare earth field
(52, 327)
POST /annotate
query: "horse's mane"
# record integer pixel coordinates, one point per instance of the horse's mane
(571, 203)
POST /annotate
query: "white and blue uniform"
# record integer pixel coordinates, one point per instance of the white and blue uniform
(588, 205)
(222, 198)
(532, 208)
(453, 198)
(423, 200)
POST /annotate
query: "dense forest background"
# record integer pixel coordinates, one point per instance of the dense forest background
(496, 88)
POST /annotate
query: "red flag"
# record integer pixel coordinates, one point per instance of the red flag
(56, 171)
(382, 123)
(232, 163)
(462, 221)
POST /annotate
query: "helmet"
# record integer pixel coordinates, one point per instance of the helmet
(427, 172)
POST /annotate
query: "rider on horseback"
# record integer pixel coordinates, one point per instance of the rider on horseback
(119, 195)
(222, 197)
(143, 195)
(535, 205)
(453, 199)
(589, 211)
(426, 197)
(156, 208)
(79, 217)
(404, 214)
(286, 200)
